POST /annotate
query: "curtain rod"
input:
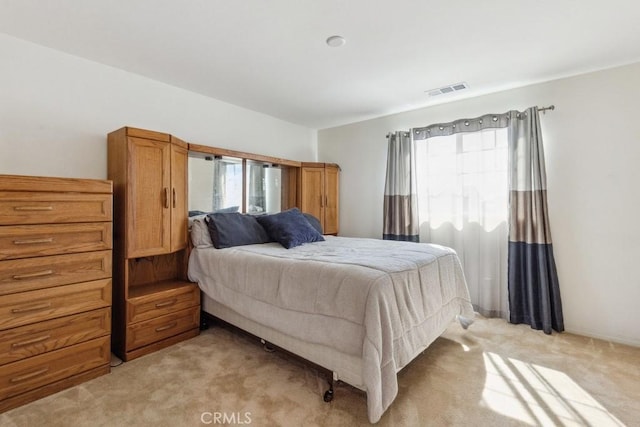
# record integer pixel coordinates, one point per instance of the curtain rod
(540, 109)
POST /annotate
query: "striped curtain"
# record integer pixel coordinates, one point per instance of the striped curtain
(534, 292)
(400, 199)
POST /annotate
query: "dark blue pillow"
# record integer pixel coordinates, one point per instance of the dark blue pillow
(315, 222)
(289, 228)
(228, 229)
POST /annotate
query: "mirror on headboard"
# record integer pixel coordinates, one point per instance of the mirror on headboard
(240, 182)
(264, 188)
(215, 184)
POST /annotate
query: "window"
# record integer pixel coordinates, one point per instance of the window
(462, 178)
(462, 186)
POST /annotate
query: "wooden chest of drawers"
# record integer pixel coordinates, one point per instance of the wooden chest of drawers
(55, 284)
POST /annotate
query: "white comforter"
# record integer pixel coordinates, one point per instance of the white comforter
(383, 301)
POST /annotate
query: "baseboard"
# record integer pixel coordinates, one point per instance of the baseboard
(613, 339)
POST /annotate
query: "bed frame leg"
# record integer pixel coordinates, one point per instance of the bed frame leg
(266, 346)
(328, 395)
(205, 321)
(331, 376)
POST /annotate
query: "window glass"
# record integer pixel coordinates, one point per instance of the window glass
(462, 178)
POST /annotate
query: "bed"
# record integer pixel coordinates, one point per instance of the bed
(360, 308)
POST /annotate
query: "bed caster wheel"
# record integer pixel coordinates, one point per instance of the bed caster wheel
(328, 395)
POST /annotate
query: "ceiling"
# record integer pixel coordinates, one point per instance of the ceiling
(270, 55)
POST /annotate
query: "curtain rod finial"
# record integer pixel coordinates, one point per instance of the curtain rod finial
(544, 109)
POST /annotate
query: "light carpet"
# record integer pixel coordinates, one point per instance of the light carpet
(493, 374)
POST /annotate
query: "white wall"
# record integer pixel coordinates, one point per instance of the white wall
(592, 147)
(56, 110)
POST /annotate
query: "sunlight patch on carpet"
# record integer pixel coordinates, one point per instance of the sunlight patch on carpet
(537, 395)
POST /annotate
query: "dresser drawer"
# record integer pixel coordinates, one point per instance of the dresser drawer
(37, 338)
(160, 303)
(36, 306)
(150, 331)
(44, 272)
(25, 375)
(39, 240)
(38, 208)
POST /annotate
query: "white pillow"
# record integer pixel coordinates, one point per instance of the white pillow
(200, 236)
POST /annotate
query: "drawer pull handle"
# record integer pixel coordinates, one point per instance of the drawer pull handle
(33, 275)
(29, 375)
(166, 198)
(33, 241)
(36, 307)
(166, 303)
(30, 342)
(165, 327)
(33, 208)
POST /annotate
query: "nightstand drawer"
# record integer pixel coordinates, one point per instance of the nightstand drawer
(25, 375)
(36, 306)
(37, 208)
(31, 340)
(160, 303)
(150, 331)
(40, 240)
(44, 272)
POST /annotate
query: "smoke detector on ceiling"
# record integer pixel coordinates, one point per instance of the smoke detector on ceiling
(336, 41)
(447, 89)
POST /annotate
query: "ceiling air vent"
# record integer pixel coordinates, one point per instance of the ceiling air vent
(447, 89)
